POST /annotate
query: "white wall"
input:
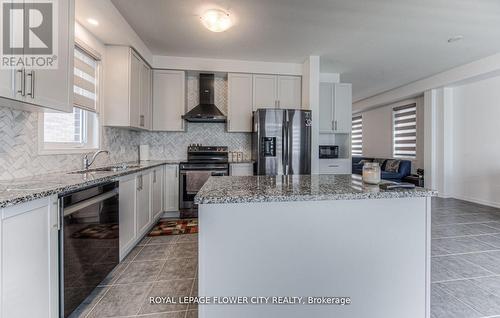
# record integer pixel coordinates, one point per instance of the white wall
(476, 142)
(377, 131)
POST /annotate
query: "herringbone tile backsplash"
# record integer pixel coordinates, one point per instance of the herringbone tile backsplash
(19, 140)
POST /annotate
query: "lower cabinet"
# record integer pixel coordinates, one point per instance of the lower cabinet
(171, 189)
(335, 166)
(241, 169)
(29, 260)
(143, 203)
(157, 191)
(127, 199)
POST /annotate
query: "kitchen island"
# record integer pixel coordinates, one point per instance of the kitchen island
(313, 236)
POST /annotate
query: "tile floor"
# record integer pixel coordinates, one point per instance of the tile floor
(158, 266)
(465, 269)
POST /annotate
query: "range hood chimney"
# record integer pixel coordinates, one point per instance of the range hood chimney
(206, 111)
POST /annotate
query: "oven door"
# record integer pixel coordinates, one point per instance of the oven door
(190, 182)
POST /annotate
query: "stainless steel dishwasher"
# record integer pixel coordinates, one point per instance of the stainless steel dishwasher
(88, 242)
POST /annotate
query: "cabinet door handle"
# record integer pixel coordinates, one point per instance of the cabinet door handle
(32, 80)
(22, 91)
(333, 166)
(335, 125)
(154, 176)
(141, 121)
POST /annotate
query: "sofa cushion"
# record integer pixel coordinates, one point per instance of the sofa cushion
(391, 175)
(392, 165)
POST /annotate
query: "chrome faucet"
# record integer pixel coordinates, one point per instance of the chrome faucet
(87, 163)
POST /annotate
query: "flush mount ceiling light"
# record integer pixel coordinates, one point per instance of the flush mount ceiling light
(455, 38)
(216, 20)
(93, 21)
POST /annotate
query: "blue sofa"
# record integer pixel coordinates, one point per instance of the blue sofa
(404, 169)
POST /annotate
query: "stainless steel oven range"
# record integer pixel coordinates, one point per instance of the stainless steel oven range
(203, 162)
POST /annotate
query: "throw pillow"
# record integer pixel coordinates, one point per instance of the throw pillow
(392, 165)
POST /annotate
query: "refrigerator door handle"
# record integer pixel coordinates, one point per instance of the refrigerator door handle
(285, 143)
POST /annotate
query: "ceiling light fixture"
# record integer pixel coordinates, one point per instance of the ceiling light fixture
(216, 20)
(455, 38)
(93, 21)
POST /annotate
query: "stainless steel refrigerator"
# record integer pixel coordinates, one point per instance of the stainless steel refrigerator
(281, 142)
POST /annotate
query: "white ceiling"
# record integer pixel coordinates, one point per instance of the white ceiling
(376, 45)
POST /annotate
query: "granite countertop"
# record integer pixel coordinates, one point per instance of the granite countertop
(31, 188)
(248, 189)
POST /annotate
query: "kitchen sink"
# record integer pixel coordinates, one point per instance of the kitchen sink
(107, 169)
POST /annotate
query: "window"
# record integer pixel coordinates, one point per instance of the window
(404, 123)
(77, 131)
(357, 136)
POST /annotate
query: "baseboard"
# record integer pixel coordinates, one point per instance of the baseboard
(171, 214)
(478, 201)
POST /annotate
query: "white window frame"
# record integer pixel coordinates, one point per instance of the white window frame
(93, 134)
(394, 156)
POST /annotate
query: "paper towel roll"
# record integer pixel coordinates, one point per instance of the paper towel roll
(144, 152)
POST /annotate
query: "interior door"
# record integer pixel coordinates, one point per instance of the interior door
(298, 142)
(270, 128)
(265, 91)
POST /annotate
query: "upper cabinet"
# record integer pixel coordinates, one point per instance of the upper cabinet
(240, 101)
(27, 87)
(335, 107)
(128, 101)
(169, 100)
(289, 92)
(277, 91)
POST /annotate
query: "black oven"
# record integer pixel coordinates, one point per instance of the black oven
(203, 162)
(328, 152)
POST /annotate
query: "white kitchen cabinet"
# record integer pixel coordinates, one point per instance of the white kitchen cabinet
(277, 91)
(143, 202)
(51, 89)
(240, 102)
(157, 191)
(265, 91)
(335, 107)
(29, 263)
(171, 188)
(241, 169)
(146, 97)
(127, 204)
(169, 100)
(335, 166)
(128, 89)
(289, 92)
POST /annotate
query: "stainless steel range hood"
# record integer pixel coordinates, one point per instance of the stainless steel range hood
(206, 111)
